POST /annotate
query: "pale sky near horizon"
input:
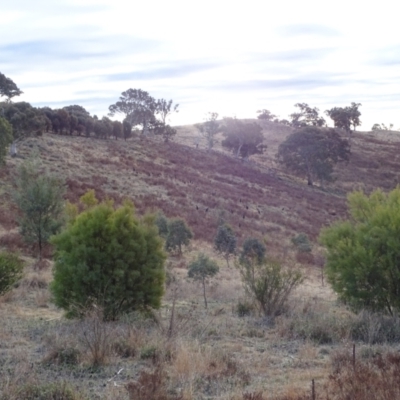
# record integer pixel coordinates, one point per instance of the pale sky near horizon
(232, 57)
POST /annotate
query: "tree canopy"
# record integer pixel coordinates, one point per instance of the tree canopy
(345, 117)
(8, 88)
(363, 252)
(313, 152)
(242, 138)
(109, 258)
(306, 116)
(24, 119)
(140, 109)
(265, 115)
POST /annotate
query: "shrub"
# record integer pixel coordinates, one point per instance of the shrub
(302, 243)
(269, 285)
(364, 252)
(108, 258)
(11, 267)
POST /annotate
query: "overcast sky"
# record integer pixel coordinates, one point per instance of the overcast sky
(232, 57)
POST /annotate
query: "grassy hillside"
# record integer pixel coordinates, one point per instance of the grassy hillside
(214, 354)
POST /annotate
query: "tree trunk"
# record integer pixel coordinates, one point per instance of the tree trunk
(204, 293)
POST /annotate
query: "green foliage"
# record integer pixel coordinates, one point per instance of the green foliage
(24, 119)
(162, 224)
(302, 243)
(312, 152)
(345, 117)
(140, 109)
(6, 138)
(11, 267)
(109, 258)
(202, 269)
(209, 129)
(8, 88)
(363, 253)
(225, 241)
(39, 196)
(242, 138)
(269, 285)
(253, 252)
(179, 234)
(306, 116)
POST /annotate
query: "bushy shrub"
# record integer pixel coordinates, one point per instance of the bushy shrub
(108, 258)
(302, 243)
(269, 284)
(11, 267)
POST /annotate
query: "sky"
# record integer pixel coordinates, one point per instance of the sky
(230, 57)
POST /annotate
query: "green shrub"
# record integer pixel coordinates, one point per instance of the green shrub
(302, 243)
(269, 284)
(108, 258)
(11, 267)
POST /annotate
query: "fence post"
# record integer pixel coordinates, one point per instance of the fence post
(313, 390)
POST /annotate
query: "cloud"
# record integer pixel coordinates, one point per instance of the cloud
(307, 30)
(176, 70)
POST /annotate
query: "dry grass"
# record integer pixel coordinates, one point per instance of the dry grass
(186, 352)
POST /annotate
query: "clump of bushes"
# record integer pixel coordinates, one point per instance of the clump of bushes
(11, 267)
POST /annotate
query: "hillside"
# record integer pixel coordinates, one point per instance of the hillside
(215, 353)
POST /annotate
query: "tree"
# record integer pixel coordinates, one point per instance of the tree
(164, 108)
(109, 258)
(307, 116)
(209, 129)
(202, 269)
(225, 242)
(161, 129)
(179, 234)
(24, 119)
(11, 269)
(253, 252)
(8, 88)
(313, 152)
(161, 222)
(6, 138)
(138, 107)
(242, 138)
(363, 252)
(117, 129)
(345, 117)
(39, 197)
(265, 115)
(127, 129)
